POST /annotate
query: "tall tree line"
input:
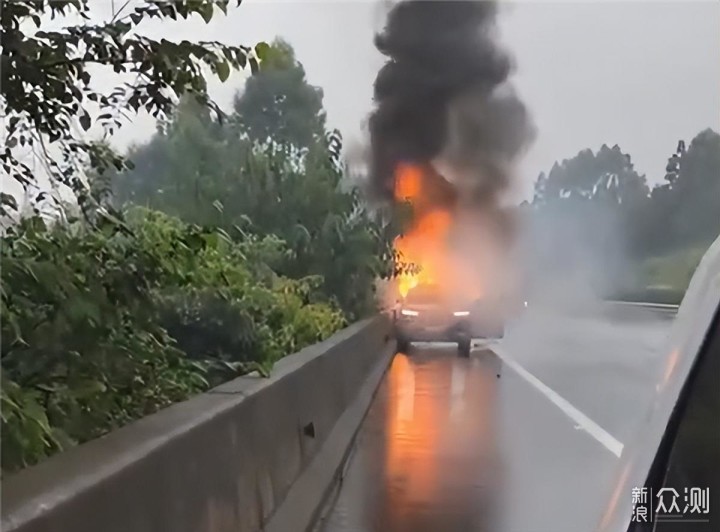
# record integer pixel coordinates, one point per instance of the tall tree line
(682, 211)
(270, 168)
(594, 212)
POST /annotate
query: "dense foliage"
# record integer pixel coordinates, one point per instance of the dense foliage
(235, 240)
(278, 104)
(101, 326)
(49, 93)
(232, 177)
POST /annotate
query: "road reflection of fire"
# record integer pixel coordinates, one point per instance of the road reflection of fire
(439, 448)
(411, 440)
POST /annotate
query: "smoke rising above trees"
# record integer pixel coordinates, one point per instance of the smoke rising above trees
(443, 96)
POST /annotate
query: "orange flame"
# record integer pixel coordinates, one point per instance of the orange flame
(423, 247)
(451, 244)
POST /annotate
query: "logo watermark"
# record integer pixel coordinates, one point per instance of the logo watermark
(669, 505)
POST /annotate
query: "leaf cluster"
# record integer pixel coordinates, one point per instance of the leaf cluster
(103, 325)
(48, 88)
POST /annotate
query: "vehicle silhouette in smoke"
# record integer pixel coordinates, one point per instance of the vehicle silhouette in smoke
(424, 315)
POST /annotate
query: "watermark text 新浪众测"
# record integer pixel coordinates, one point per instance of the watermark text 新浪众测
(692, 505)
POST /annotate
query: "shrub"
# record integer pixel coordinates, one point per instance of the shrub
(82, 352)
(103, 325)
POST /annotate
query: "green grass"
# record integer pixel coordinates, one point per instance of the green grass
(663, 279)
(673, 271)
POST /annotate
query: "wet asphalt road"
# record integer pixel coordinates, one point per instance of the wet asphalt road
(453, 444)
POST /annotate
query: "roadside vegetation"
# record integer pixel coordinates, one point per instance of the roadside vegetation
(634, 242)
(673, 270)
(131, 281)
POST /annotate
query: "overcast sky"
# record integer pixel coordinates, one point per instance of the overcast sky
(640, 74)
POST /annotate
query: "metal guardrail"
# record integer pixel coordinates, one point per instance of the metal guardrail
(652, 306)
(638, 304)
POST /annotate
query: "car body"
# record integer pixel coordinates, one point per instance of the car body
(676, 450)
(423, 315)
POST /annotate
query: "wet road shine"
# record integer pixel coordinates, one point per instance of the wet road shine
(469, 445)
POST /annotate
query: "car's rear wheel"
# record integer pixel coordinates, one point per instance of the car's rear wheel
(403, 344)
(464, 347)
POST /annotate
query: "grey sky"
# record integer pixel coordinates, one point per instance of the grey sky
(640, 74)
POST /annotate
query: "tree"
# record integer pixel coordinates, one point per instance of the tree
(199, 170)
(278, 104)
(598, 195)
(583, 218)
(607, 176)
(47, 80)
(685, 208)
(174, 171)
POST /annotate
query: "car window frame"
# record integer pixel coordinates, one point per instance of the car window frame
(690, 329)
(659, 470)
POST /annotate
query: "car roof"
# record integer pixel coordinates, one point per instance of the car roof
(689, 331)
(424, 290)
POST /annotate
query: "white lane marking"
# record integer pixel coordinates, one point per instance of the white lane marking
(582, 421)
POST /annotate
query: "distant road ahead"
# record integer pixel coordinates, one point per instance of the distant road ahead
(450, 446)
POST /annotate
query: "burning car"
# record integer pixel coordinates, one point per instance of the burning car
(453, 274)
(426, 315)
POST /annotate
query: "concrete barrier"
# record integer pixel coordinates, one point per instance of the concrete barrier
(226, 460)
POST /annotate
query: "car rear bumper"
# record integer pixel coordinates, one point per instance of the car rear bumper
(453, 332)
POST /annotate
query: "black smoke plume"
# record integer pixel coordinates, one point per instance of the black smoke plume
(442, 99)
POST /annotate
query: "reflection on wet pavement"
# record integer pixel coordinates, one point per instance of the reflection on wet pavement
(436, 462)
(447, 446)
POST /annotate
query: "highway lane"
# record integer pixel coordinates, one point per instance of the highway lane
(521, 437)
(605, 363)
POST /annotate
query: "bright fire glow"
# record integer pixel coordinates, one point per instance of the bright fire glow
(424, 246)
